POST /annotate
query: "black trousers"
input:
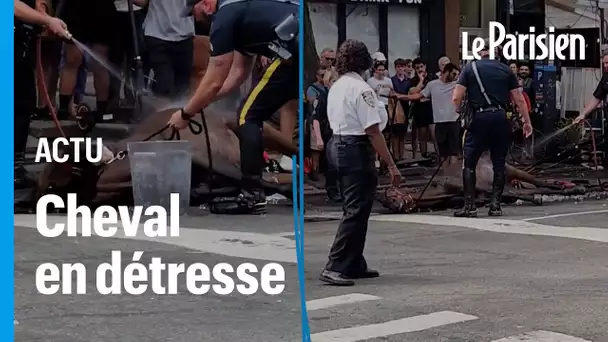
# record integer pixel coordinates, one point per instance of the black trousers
(354, 159)
(172, 65)
(24, 93)
(489, 130)
(331, 174)
(278, 85)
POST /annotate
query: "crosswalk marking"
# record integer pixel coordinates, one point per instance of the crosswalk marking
(399, 326)
(539, 218)
(328, 302)
(501, 226)
(541, 336)
(223, 242)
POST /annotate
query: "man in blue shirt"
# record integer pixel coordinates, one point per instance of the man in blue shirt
(401, 86)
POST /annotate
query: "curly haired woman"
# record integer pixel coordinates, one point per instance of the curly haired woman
(356, 117)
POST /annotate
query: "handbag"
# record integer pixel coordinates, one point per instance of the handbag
(396, 114)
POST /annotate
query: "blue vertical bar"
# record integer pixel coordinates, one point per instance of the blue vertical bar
(7, 329)
(299, 203)
(298, 236)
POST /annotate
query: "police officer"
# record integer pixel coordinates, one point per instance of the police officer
(489, 85)
(356, 117)
(24, 79)
(599, 95)
(240, 30)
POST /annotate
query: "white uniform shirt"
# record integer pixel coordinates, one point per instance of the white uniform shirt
(353, 106)
(123, 6)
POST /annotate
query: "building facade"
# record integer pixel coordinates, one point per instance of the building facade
(398, 28)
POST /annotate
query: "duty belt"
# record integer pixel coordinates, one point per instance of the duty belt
(489, 109)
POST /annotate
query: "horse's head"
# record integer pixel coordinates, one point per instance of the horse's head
(68, 177)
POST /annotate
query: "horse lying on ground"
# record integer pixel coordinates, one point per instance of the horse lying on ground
(111, 183)
(447, 190)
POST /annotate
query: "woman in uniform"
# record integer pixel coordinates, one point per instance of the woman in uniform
(356, 117)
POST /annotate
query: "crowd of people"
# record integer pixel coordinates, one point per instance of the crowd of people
(361, 108)
(416, 101)
(101, 36)
(164, 32)
(52, 68)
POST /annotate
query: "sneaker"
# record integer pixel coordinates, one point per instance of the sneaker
(256, 201)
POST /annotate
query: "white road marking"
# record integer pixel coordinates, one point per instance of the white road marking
(328, 302)
(400, 326)
(541, 336)
(502, 226)
(223, 242)
(566, 215)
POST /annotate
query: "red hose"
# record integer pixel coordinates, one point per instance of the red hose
(42, 84)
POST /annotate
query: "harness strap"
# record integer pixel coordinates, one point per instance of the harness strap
(481, 87)
(195, 127)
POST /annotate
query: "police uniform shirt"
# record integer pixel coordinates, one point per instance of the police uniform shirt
(353, 106)
(248, 26)
(497, 79)
(601, 91)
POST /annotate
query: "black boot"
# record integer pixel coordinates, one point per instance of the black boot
(468, 181)
(498, 185)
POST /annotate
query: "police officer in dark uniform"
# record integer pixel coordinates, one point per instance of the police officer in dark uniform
(28, 25)
(240, 30)
(599, 95)
(489, 86)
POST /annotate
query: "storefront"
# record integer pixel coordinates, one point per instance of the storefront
(398, 28)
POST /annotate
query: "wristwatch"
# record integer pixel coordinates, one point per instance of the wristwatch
(186, 116)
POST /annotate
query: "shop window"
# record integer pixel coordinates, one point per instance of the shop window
(362, 24)
(403, 35)
(323, 18)
(470, 13)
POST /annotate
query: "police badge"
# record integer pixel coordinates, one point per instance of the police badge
(369, 98)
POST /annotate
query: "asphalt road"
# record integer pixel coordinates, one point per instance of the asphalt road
(538, 274)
